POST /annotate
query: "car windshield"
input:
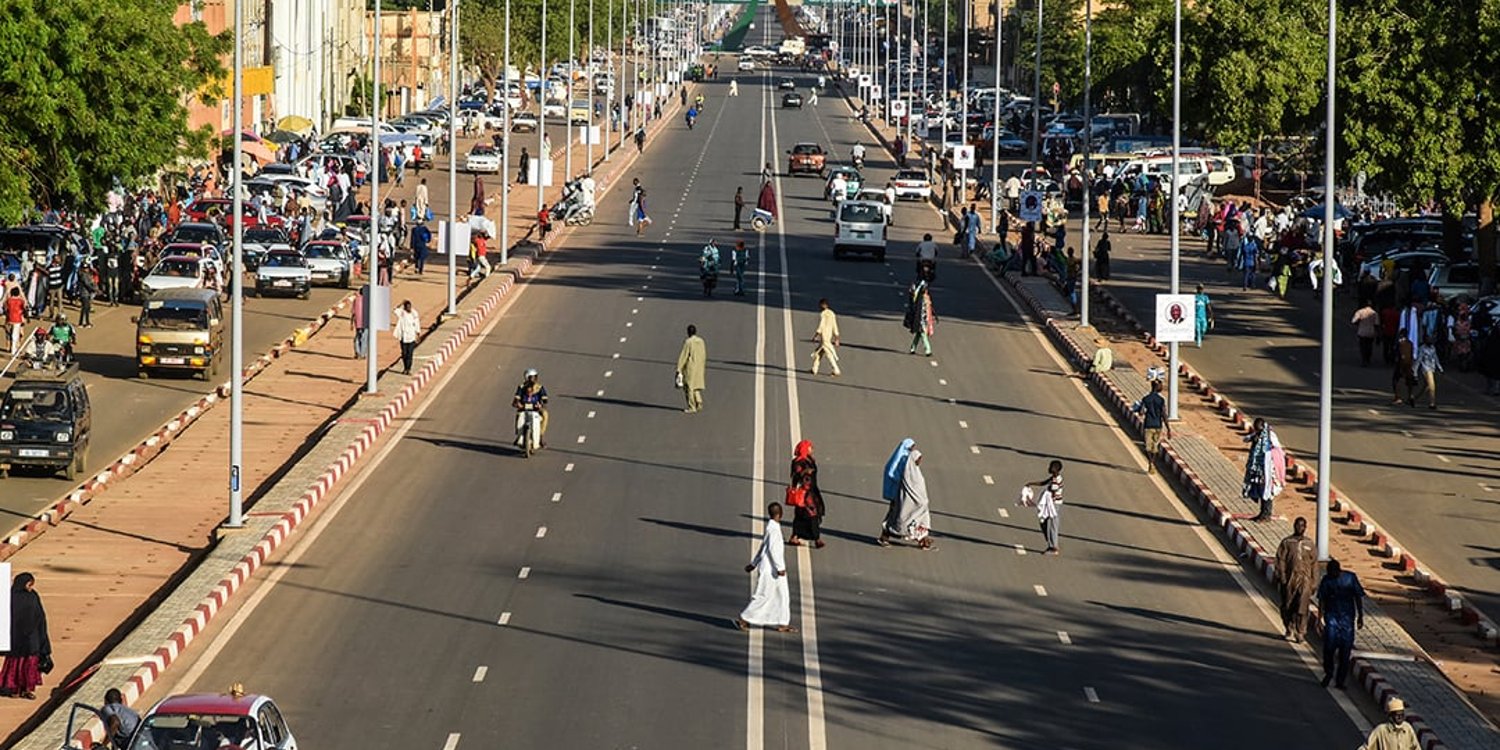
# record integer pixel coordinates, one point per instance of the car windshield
(195, 731)
(911, 174)
(194, 234)
(33, 404)
(859, 212)
(159, 314)
(282, 260)
(482, 150)
(806, 149)
(319, 251)
(264, 236)
(176, 267)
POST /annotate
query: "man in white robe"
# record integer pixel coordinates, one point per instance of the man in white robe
(771, 604)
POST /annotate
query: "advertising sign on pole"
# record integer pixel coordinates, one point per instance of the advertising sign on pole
(1031, 205)
(898, 108)
(1175, 318)
(963, 157)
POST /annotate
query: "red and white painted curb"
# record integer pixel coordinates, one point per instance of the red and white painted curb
(147, 449)
(1235, 533)
(521, 264)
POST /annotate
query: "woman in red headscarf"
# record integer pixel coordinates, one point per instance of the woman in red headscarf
(809, 513)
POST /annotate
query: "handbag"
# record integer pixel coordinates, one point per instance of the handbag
(429, 214)
(677, 380)
(44, 665)
(796, 497)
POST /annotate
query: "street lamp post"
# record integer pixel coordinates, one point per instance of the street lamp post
(609, 67)
(452, 249)
(237, 326)
(372, 257)
(963, 125)
(505, 148)
(572, 81)
(1036, 95)
(1325, 382)
(947, 36)
(995, 132)
(1088, 156)
(542, 157)
(1176, 185)
(589, 82)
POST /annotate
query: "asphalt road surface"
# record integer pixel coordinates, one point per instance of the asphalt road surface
(467, 597)
(1432, 478)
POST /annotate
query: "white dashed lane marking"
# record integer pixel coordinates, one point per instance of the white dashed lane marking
(599, 392)
(1091, 695)
(541, 532)
(963, 425)
(582, 438)
(525, 573)
(989, 480)
(974, 449)
(1443, 458)
(609, 373)
(1062, 635)
(1040, 589)
(479, 673)
(591, 415)
(557, 496)
(942, 381)
(1021, 550)
(1004, 513)
(452, 743)
(622, 339)
(504, 619)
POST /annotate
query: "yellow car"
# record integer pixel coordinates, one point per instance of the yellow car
(578, 113)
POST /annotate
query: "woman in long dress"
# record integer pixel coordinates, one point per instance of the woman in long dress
(1265, 468)
(890, 485)
(30, 649)
(913, 518)
(807, 518)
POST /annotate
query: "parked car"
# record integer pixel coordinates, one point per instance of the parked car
(483, 157)
(1417, 260)
(231, 720)
(806, 158)
(860, 227)
(283, 272)
(198, 232)
(330, 262)
(524, 122)
(1454, 279)
(791, 100)
(177, 272)
(912, 184)
(46, 421)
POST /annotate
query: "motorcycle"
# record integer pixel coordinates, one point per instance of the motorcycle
(529, 431)
(708, 269)
(570, 208)
(691, 118)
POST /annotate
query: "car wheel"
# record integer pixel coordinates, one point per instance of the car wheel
(880, 256)
(346, 282)
(143, 373)
(304, 294)
(70, 472)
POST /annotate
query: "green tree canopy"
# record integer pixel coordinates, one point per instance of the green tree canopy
(95, 91)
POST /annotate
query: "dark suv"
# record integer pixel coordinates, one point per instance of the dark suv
(45, 420)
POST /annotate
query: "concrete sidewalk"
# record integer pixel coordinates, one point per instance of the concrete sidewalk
(130, 578)
(1389, 662)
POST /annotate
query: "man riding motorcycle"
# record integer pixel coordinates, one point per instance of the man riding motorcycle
(531, 398)
(859, 155)
(708, 267)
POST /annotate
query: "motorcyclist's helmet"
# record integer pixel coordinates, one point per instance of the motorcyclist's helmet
(531, 373)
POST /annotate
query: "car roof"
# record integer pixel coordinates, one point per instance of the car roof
(856, 203)
(188, 258)
(209, 703)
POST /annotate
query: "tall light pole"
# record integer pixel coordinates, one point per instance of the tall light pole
(963, 125)
(1176, 186)
(946, 52)
(372, 258)
(452, 249)
(237, 325)
(1088, 155)
(589, 76)
(505, 147)
(1325, 382)
(1036, 96)
(995, 130)
(609, 67)
(572, 80)
(542, 157)
(926, 62)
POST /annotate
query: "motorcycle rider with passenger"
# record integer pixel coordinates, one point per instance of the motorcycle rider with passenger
(531, 396)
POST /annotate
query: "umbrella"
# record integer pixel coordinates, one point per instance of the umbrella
(283, 137)
(258, 150)
(245, 134)
(295, 124)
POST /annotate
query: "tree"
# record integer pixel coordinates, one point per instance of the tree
(1417, 109)
(95, 91)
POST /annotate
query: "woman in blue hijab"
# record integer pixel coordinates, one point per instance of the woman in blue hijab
(895, 468)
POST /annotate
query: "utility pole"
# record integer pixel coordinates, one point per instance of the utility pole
(505, 148)
(1325, 382)
(237, 326)
(1036, 96)
(452, 248)
(1176, 186)
(1088, 156)
(372, 257)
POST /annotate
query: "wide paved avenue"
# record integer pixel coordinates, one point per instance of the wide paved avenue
(584, 598)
